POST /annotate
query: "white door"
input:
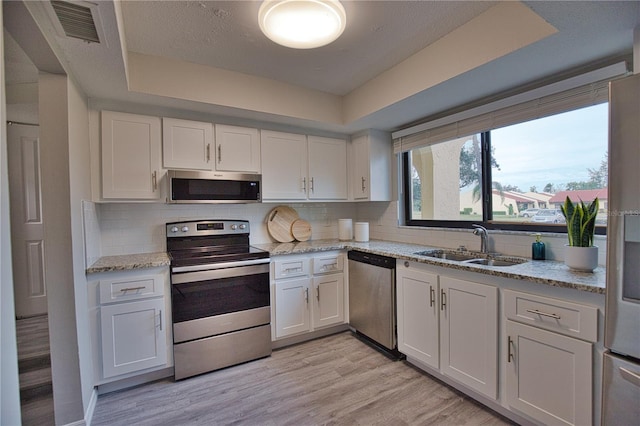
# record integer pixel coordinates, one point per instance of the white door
(469, 334)
(27, 227)
(292, 307)
(284, 166)
(327, 168)
(133, 336)
(328, 306)
(418, 315)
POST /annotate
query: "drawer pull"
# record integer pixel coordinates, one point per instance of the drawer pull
(330, 266)
(124, 290)
(293, 270)
(544, 314)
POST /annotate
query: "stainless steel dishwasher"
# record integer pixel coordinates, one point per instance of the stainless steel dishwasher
(372, 299)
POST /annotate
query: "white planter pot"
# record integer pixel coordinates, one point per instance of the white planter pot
(583, 259)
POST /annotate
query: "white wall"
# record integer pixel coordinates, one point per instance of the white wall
(80, 189)
(129, 228)
(64, 342)
(9, 384)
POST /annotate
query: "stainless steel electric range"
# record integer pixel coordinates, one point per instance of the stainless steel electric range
(219, 296)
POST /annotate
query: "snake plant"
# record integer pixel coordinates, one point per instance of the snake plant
(581, 221)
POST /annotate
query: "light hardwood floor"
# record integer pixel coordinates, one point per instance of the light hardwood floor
(34, 363)
(336, 380)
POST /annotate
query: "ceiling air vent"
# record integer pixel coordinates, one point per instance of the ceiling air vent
(77, 19)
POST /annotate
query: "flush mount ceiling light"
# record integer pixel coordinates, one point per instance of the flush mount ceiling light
(302, 24)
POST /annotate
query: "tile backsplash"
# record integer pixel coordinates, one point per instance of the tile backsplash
(129, 228)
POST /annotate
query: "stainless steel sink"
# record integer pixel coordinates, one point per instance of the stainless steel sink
(448, 255)
(495, 262)
(472, 258)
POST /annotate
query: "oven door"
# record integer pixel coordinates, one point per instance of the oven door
(211, 302)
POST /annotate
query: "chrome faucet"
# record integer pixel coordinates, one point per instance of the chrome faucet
(482, 232)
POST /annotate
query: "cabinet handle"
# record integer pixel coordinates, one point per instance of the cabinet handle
(318, 293)
(208, 152)
(363, 180)
(311, 184)
(306, 295)
(160, 315)
(509, 346)
(432, 296)
(304, 185)
(443, 300)
(219, 153)
(124, 290)
(544, 314)
(406, 264)
(154, 180)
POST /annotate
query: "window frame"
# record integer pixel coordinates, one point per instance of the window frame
(487, 202)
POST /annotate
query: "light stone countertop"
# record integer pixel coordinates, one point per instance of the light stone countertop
(546, 272)
(129, 262)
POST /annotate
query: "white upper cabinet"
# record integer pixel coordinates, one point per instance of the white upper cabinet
(297, 167)
(187, 144)
(371, 171)
(237, 149)
(284, 166)
(327, 169)
(131, 157)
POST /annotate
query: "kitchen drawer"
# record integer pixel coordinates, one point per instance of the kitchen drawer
(290, 267)
(323, 264)
(561, 316)
(131, 288)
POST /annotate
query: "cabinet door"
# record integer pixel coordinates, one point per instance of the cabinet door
(360, 177)
(327, 168)
(418, 313)
(292, 307)
(130, 156)
(186, 144)
(284, 166)
(237, 149)
(548, 375)
(328, 305)
(469, 334)
(371, 171)
(133, 336)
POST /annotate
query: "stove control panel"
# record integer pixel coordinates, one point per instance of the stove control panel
(207, 227)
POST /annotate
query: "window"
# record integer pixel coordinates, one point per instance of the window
(513, 177)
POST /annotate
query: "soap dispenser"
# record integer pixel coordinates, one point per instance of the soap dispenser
(537, 248)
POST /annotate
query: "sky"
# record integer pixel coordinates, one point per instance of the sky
(557, 149)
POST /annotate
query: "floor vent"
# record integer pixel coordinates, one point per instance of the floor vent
(77, 20)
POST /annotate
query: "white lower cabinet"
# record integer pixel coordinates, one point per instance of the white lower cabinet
(292, 306)
(133, 336)
(130, 319)
(308, 293)
(549, 373)
(418, 315)
(449, 324)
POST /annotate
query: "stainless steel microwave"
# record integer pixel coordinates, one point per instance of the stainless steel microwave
(213, 187)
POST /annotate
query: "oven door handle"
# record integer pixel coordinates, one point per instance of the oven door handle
(216, 274)
(222, 265)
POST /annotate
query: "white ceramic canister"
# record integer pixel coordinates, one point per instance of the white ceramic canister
(362, 231)
(345, 229)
